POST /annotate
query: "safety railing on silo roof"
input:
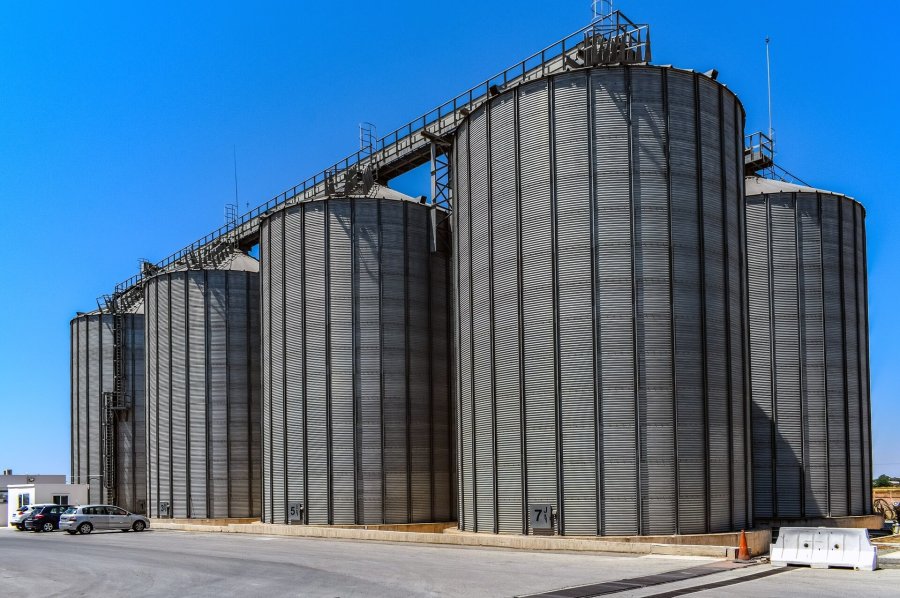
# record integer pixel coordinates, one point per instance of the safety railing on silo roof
(573, 51)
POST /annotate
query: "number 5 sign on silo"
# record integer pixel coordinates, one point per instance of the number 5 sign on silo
(295, 511)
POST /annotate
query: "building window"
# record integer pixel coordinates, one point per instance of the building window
(4, 496)
(61, 499)
(24, 500)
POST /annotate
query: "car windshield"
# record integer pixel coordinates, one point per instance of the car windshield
(70, 510)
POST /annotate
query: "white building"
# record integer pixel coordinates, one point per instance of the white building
(34, 494)
(7, 478)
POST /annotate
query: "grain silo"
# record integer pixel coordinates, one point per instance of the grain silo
(356, 362)
(602, 367)
(806, 251)
(92, 370)
(203, 382)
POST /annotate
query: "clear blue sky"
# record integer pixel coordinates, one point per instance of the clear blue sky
(118, 122)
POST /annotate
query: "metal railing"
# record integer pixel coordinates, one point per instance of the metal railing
(573, 51)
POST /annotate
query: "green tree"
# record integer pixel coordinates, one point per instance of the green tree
(882, 481)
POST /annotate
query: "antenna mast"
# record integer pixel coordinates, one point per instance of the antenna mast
(769, 86)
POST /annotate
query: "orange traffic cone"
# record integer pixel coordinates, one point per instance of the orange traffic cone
(743, 550)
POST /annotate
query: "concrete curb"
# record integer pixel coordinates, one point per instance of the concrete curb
(460, 539)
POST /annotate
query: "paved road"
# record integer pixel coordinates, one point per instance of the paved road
(163, 563)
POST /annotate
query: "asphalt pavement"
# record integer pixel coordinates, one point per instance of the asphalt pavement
(169, 563)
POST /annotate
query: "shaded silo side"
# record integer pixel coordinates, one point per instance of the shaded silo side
(356, 363)
(602, 369)
(203, 397)
(92, 375)
(809, 342)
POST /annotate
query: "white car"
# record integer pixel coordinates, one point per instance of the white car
(22, 513)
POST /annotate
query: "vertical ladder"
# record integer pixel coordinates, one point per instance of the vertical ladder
(113, 402)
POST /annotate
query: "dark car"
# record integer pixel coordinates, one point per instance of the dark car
(45, 519)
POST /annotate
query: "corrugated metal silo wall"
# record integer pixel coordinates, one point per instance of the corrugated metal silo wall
(203, 397)
(598, 223)
(809, 356)
(92, 375)
(356, 364)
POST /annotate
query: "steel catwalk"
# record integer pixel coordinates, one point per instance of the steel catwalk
(356, 363)
(92, 375)
(809, 352)
(203, 391)
(599, 237)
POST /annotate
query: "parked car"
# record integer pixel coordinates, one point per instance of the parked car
(45, 519)
(88, 518)
(22, 513)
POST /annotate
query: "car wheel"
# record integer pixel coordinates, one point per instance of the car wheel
(47, 527)
(70, 532)
(20, 527)
(85, 528)
(138, 526)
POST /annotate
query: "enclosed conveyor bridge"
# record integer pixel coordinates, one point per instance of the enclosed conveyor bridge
(612, 39)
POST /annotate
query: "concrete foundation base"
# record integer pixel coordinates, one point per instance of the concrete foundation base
(702, 545)
(856, 521)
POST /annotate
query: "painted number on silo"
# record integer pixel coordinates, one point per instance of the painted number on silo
(295, 511)
(541, 516)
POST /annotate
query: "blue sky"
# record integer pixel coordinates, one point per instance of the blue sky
(118, 123)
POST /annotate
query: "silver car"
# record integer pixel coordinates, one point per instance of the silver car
(88, 518)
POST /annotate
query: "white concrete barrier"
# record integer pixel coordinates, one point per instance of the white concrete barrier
(824, 547)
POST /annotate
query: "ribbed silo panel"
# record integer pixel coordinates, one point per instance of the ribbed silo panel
(197, 399)
(715, 265)
(340, 305)
(316, 372)
(368, 360)
(152, 398)
(462, 258)
(834, 360)
(82, 408)
(164, 398)
(73, 401)
(507, 350)
(851, 348)
(787, 409)
(653, 303)
(395, 304)
(537, 295)
(218, 363)
(441, 426)
(863, 357)
(254, 381)
(732, 146)
(576, 341)
(180, 392)
(287, 296)
(762, 412)
(238, 396)
(687, 306)
(615, 303)
(265, 254)
(482, 344)
(812, 356)
(276, 371)
(420, 440)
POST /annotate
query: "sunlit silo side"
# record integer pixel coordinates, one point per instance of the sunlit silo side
(602, 368)
(809, 342)
(203, 397)
(356, 362)
(92, 371)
